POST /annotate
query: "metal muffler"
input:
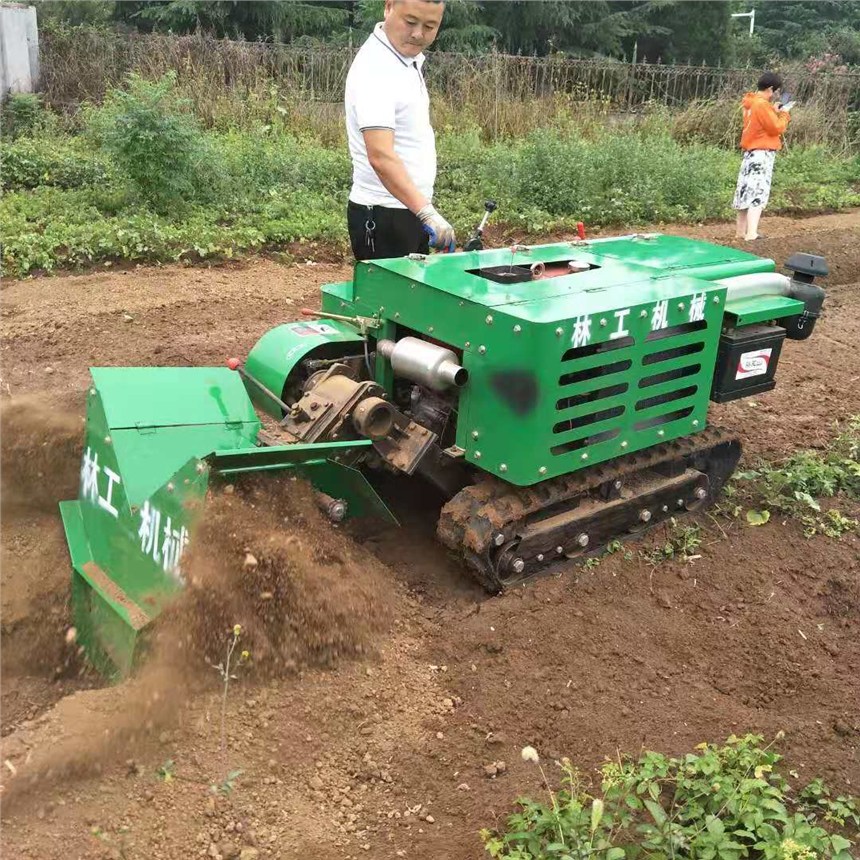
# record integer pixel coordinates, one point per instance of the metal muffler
(424, 363)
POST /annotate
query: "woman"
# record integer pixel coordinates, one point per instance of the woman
(760, 141)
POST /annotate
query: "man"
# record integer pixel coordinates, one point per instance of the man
(760, 141)
(391, 142)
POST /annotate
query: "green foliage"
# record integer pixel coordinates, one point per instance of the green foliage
(795, 486)
(61, 162)
(155, 142)
(681, 542)
(23, 113)
(718, 803)
(108, 195)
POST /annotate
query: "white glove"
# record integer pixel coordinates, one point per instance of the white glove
(440, 231)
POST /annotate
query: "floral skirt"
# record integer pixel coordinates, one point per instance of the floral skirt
(754, 180)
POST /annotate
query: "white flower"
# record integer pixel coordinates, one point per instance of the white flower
(530, 754)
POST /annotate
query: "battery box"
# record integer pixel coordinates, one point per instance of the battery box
(746, 361)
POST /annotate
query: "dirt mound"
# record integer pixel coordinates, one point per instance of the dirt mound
(41, 451)
(265, 558)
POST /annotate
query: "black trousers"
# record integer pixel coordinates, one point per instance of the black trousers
(379, 232)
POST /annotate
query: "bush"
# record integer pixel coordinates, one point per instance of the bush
(23, 113)
(155, 142)
(64, 163)
(718, 803)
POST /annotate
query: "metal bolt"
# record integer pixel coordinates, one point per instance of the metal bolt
(187, 481)
(489, 319)
(517, 329)
(695, 422)
(624, 444)
(559, 550)
(582, 540)
(467, 344)
(701, 493)
(584, 456)
(540, 556)
(679, 503)
(518, 565)
(92, 392)
(499, 539)
(397, 315)
(665, 509)
(201, 468)
(503, 467)
(559, 331)
(337, 511)
(382, 310)
(645, 516)
(482, 349)
(661, 432)
(716, 300)
(170, 487)
(680, 306)
(643, 314)
(542, 470)
(477, 455)
(617, 485)
(108, 440)
(603, 322)
(430, 328)
(475, 434)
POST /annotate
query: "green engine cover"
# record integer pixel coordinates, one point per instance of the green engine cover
(570, 370)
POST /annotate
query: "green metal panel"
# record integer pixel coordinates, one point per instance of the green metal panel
(171, 396)
(278, 351)
(518, 343)
(762, 309)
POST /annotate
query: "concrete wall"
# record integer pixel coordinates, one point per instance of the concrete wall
(19, 49)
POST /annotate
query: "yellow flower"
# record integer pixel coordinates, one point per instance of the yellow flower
(237, 629)
(246, 655)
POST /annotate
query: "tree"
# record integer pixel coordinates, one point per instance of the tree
(687, 32)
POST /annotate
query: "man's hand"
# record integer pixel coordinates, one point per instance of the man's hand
(441, 232)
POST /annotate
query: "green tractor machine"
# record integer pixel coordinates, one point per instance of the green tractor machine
(556, 394)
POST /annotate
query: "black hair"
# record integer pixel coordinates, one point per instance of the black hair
(768, 80)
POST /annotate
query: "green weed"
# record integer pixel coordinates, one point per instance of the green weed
(725, 802)
(682, 541)
(795, 486)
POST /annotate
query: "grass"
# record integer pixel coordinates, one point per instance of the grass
(727, 802)
(143, 181)
(797, 486)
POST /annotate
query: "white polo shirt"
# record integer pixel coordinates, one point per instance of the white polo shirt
(384, 89)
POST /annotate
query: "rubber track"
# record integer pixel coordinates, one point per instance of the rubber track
(470, 520)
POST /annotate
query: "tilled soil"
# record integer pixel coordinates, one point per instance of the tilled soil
(365, 719)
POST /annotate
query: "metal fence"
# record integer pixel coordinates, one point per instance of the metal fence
(80, 64)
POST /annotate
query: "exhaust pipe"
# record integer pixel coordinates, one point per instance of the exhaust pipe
(424, 363)
(800, 287)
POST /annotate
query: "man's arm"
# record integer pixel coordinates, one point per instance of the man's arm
(389, 168)
(392, 173)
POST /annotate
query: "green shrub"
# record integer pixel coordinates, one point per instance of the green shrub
(23, 113)
(156, 143)
(718, 803)
(65, 163)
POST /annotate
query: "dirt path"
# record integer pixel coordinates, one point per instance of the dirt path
(384, 755)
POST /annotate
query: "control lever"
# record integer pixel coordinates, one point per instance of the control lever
(476, 243)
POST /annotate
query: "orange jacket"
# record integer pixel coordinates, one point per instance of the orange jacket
(763, 123)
